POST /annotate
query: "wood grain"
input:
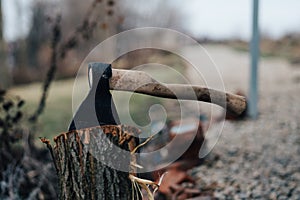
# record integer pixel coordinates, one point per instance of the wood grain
(143, 83)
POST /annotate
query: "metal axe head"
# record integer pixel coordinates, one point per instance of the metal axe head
(97, 71)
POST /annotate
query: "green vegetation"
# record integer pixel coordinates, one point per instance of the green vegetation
(58, 110)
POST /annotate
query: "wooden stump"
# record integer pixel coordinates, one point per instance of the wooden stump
(94, 163)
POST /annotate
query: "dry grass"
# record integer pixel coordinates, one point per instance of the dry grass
(287, 47)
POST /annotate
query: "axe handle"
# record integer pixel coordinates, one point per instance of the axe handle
(143, 83)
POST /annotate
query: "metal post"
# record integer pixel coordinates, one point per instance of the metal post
(254, 48)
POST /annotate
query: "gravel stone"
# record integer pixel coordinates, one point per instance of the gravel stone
(259, 159)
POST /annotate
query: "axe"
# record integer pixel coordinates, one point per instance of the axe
(141, 82)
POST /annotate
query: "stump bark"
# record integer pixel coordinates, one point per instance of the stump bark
(95, 163)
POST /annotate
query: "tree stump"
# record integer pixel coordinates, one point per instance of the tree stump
(95, 163)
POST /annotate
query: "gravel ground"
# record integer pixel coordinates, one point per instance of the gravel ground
(257, 159)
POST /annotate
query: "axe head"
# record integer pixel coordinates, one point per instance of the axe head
(97, 71)
(98, 107)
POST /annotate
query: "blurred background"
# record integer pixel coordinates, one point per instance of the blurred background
(27, 34)
(43, 43)
(26, 29)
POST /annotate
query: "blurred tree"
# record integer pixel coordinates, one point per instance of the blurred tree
(84, 23)
(3, 70)
(1, 23)
(38, 34)
(157, 13)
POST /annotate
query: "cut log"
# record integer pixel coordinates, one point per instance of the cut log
(91, 163)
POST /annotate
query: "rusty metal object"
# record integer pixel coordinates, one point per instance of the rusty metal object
(176, 182)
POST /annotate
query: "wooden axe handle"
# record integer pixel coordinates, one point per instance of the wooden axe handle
(143, 83)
